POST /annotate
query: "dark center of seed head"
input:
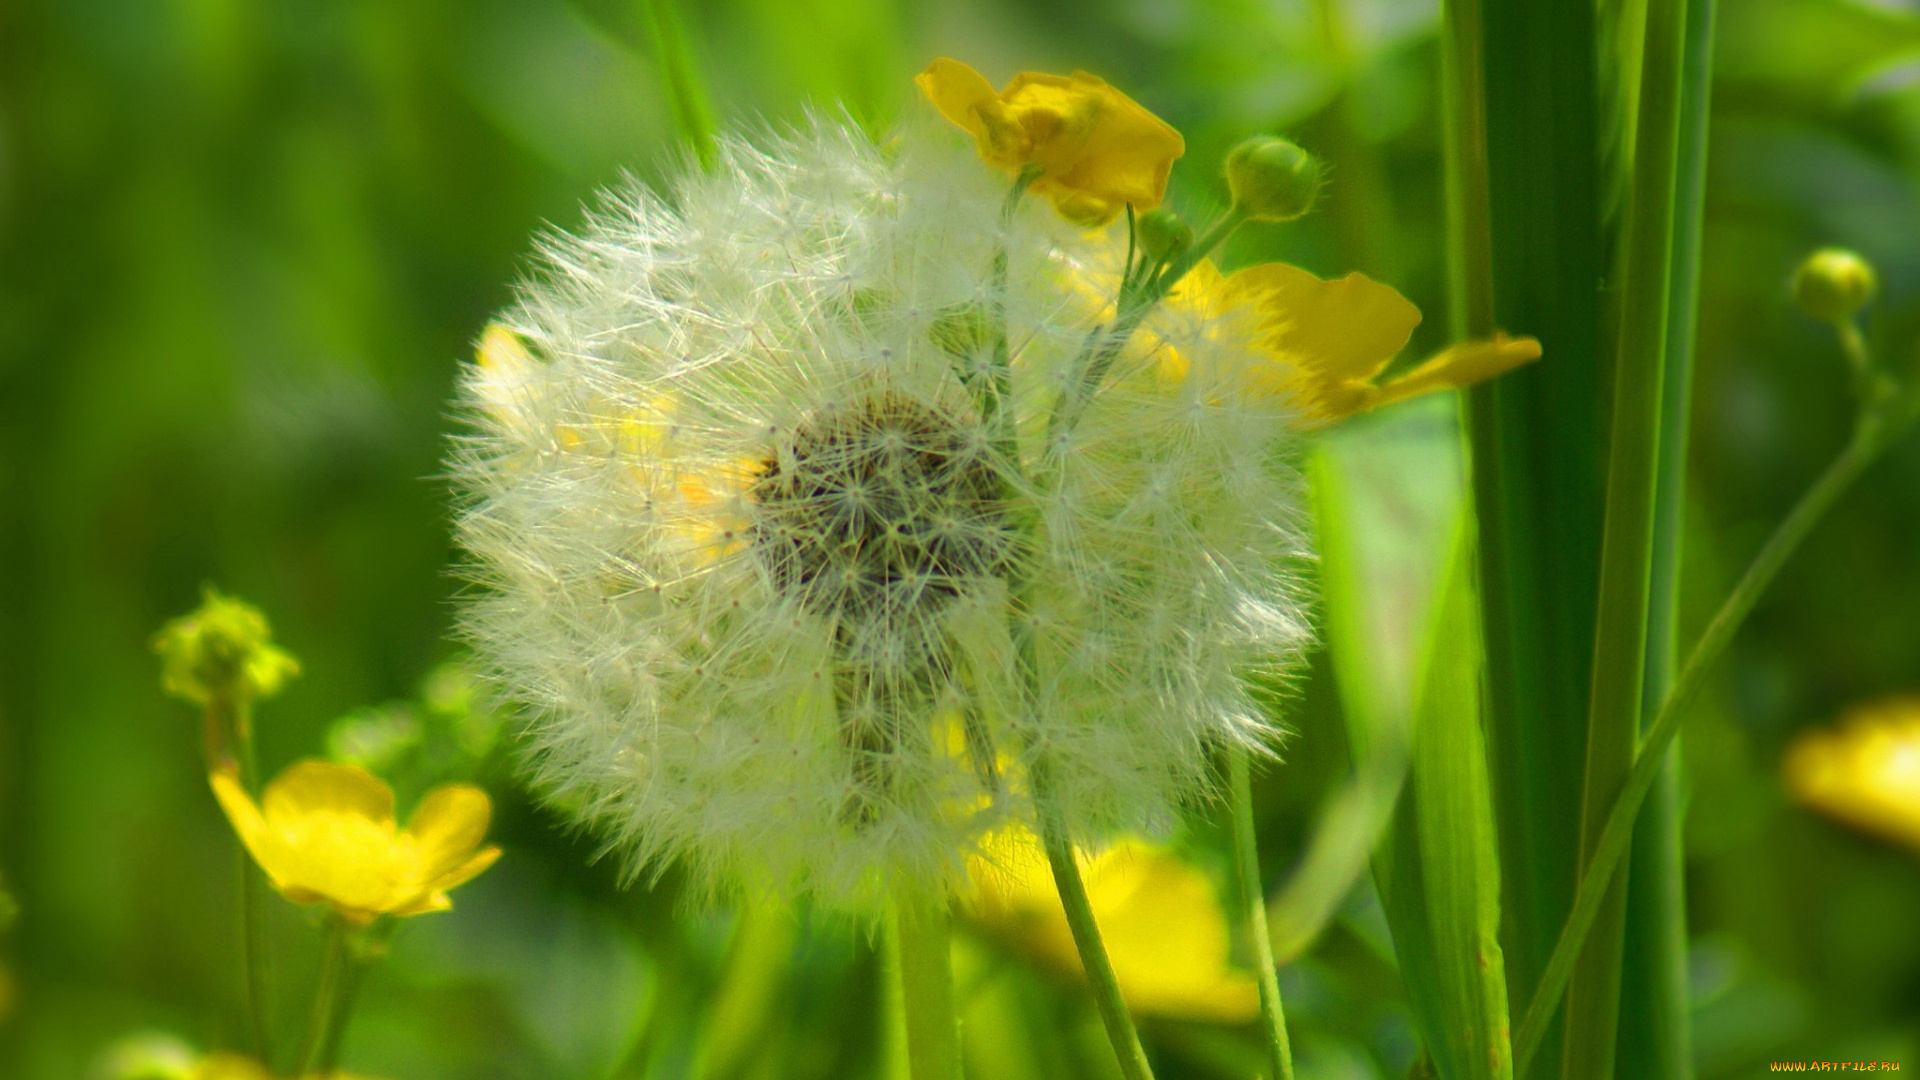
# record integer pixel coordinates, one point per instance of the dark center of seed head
(882, 511)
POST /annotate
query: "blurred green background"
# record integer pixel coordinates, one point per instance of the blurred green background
(245, 245)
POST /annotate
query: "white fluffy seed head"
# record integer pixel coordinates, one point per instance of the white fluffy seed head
(756, 560)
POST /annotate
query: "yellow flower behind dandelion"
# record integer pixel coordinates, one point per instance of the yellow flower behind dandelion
(1865, 773)
(1097, 150)
(1160, 918)
(1323, 344)
(325, 833)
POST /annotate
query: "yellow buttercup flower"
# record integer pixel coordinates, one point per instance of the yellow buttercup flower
(1161, 920)
(1097, 150)
(1322, 344)
(1867, 772)
(325, 833)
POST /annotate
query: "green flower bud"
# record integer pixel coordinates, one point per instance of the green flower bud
(1163, 234)
(1833, 284)
(1272, 179)
(221, 651)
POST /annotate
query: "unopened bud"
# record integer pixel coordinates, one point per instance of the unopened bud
(1272, 179)
(221, 650)
(1833, 284)
(1163, 234)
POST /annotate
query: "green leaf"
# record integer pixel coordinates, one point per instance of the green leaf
(1442, 865)
(1386, 499)
(1437, 869)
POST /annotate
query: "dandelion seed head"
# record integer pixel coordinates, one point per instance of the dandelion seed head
(782, 602)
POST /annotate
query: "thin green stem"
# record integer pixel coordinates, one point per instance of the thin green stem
(926, 985)
(1137, 296)
(1654, 1034)
(333, 1001)
(757, 966)
(685, 89)
(1101, 980)
(996, 407)
(1253, 897)
(1611, 847)
(325, 994)
(229, 725)
(1134, 300)
(1469, 202)
(1853, 345)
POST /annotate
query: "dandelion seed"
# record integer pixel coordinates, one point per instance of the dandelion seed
(758, 526)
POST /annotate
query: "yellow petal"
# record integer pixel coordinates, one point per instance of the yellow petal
(502, 353)
(1867, 772)
(424, 903)
(959, 92)
(1321, 332)
(1097, 149)
(1462, 365)
(1165, 933)
(245, 817)
(1167, 936)
(466, 870)
(1090, 138)
(312, 787)
(447, 826)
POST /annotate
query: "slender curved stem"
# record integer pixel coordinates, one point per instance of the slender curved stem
(1618, 831)
(229, 736)
(1101, 980)
(1246, 851)
(332, 1001)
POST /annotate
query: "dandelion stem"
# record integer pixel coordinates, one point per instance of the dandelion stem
(1101, 980)
(1246, 851)
(1875, 433)
(996, 406)
(926, 984)
(1137, 296)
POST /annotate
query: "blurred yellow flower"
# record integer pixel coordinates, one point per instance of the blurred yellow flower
(1865, 773)
(1160, 918)
(325, 833)
(1096, 149)
(221, 649)
(1324, 343)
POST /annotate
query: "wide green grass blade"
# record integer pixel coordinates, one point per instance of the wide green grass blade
(1442, 867)
(1438, 869)
(1386, 499)
(1655, 1032)
(1620, 630)
(1537, 439)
